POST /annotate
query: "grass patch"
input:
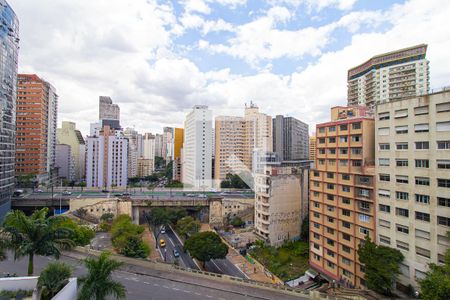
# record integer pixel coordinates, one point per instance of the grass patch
(288, 262)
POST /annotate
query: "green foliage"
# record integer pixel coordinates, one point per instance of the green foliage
(98, 283)
(174, 184)
(304, 230)
(233, 181)
(53, 278)
(108, 217)
(35, 235)
(382, 266)
(237, 222)
(436, 284)
(205, 246)
(126, 237)
(287, 262)
(188, 226)
(81, 235)
(159, 162)
(18, 294)
(166, 215)
(168, 172)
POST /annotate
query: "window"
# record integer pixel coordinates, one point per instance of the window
(422, 145)
(401, 113)
(331, 162)
(443, 240)
(385, 239)
(383, 131)
(422, 181)
(443, 126)
(343, 151)
(443, 201)
(385, 177)
(330, 264)
(384, 146)
(443, 183)
(357, 151)
(347, 262)
(419, 274)
(346, 200)
(423, 252)
(421, 128)
(401, 212)
(422, 216)
(330, 219)
(332, 128)
(402, 245)
(330, 175)
(332, 151)
(443, 164)
(322, 141)
(402, 229)
(346, 224)
(443, 221)
(346, 249)
(421, 110)
(345, 177)
(346, 236)
(401, 129)
(384, 193)
(383, 116)
(384, 223)
(330, 242)
(346, 212)
(356, 138)
(322, 130)
(330, 230)
(345, 188)
(422, 234)
(316, 204)
(364, 230)
(402, 195)
(401, 179)
(400, 162)
(330, 208)
(364, 218)
(442, 107)
(356, 163)
(402, 146)
(330, 197)
(443, 145)
(383, 162)
(343, 139)
(422, 163)
(384, 208)
(356, 125)
(322, 151)
(330, 253)
(330, 186)
(343, 163)
(343, 127)
(331, 140)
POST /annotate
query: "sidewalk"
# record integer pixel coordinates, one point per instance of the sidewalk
(149, 238)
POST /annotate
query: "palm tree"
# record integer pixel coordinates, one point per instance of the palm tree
(35, 235)
(98, 284)
(53, 278)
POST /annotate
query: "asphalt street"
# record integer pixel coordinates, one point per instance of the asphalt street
(157, 284)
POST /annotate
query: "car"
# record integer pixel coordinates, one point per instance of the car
(39, 191)
(117, 195)
(67, 193)
(163, 230)
(126, 194)
(176, 253)
(162, 243)
(202, 196)
(105, 191)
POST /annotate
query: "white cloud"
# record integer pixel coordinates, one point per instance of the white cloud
(198, 6)
(317, 5)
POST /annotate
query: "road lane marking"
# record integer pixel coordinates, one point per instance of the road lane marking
(147, 282)
(208, 296)
(170, 240)
(155, 284)
(198, 294)
(217, 266)
(166, 287)
(186, 291)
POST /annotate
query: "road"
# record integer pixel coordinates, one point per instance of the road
(158, 285)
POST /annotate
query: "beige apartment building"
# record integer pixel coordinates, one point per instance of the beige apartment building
(413, 180)
(236, 138)
(312, 148)
(342, 202)
(281, 202)
(69, 135)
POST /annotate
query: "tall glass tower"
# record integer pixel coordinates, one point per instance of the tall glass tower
(9, 39)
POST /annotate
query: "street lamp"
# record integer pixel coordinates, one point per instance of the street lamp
(165, 254)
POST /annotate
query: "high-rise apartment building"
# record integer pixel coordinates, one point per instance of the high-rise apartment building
(413, 180)
(132, 136)
(65, 162)
(159, 145)
(388, 77)
(9, 38)
(290, 138)
(36, 127)
(342, 202)
(177, 149)
(148, 153)
(312, 148)
(109, 113)
(107, 159)
(167, 146)
(230, 146)
(197, 148)
(281, 201)
(69, 135)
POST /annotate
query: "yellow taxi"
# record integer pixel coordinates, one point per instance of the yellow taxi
(162, 243)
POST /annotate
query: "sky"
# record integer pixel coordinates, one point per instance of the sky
(157, 59)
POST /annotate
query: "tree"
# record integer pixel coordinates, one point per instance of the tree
(35, 235)
(168, 172)
(237, 222)
(304, 230)
(382, 266)
(436, 284)
(135, 247)
(107, 217)
(234, 181)
(98, 283)
(126, 237)
(53, 278)
(165, 216)
(187, 226)
(205, 246)
(79, 234)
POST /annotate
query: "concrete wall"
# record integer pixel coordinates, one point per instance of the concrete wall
(69, 292)
(97, 207)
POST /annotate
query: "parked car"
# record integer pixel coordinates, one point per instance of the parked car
(67, 193)
(105, 191)
(39, 191)
(176, 253)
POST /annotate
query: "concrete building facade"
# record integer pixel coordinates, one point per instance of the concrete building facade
(388, 77)
(159, 145)
(9, 38)
(65, 162)
(342, 201)
(69, 135)
(290, 138)
(197, 148)
(281, 200)
(413, 180)
(36, 127)
(107, 159)
(177, 150)
(109, 113)
(312, 148)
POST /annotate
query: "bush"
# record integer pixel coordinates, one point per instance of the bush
(126, 237)
(81, 235)
(53, 278)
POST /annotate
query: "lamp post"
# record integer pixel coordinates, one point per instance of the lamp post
(165, 254)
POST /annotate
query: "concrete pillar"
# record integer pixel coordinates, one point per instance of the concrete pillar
(136, 215)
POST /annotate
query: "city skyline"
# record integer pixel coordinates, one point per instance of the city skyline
(195, 52)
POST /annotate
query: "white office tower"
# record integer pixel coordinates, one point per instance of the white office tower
(148, 146)
(107, 159)
(197, 149)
